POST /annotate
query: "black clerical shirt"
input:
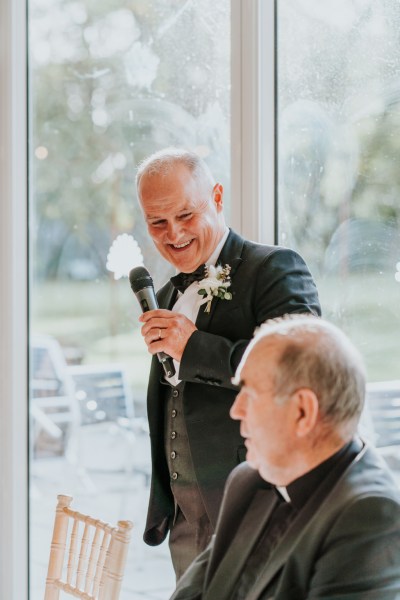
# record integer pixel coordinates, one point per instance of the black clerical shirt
(285, 512)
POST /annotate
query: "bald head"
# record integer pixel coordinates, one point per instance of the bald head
(302, 388)
(164, 162)
(315, 354)
(182, 207)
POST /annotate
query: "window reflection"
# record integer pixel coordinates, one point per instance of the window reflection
(339, 182)
(339, 104)
(109, 83)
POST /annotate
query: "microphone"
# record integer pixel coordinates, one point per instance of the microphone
(142, 287)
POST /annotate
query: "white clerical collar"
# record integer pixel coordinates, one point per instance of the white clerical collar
(283, 492)
(214, 256)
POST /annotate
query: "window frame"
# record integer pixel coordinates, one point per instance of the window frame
(252, 144)
(13, 303)
(253, 119)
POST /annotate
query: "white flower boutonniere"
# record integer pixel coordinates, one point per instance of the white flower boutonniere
(215, 284)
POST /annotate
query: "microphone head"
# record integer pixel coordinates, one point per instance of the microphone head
(139, 278)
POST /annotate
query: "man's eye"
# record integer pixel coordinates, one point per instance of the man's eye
(157, 223)
(186, 216)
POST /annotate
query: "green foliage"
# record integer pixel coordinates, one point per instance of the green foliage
(339, 110)
(105, 92)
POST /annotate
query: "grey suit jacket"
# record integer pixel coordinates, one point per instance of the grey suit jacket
(341, 546)
(266, 282)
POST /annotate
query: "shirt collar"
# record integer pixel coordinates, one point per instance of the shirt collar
(214, 256)
(283, 492)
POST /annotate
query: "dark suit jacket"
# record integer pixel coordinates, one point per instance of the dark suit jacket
(342, 545)
(266, 282)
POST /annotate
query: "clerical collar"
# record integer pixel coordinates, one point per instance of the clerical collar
(299, 490)
(283, 492)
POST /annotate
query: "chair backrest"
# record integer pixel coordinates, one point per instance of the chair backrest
(87, 556)
(103, 393)
(383, 400)
(53, 405)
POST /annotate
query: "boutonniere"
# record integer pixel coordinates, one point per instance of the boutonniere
(215, 284)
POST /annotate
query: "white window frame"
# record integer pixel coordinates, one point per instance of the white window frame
(253, 119)
(13, 303)
(253, 181)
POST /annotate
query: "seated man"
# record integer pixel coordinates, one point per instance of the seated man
(314, 513)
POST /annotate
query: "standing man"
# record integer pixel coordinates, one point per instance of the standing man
(194, 443)
(314, 512)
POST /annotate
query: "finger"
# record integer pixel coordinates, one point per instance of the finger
(158, 313)
(155, 323)
(156, 346)
(154, 334)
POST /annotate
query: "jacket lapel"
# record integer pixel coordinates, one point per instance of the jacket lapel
(167, 296)
(251, 527)
(281, 553)
(231, 255)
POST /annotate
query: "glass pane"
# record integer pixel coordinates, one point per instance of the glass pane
(109, 83)
(339, 177)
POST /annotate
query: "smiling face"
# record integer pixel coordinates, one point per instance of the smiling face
(184, 216)
(269, 428)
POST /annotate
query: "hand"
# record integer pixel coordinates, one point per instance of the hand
(166, 331)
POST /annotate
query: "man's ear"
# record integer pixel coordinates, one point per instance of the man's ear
(307, 411)
(218, 195)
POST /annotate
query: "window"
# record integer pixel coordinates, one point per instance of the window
(104, 91)
(338, 178)
(109, 83)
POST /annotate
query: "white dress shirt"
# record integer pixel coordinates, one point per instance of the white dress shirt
(188, 303)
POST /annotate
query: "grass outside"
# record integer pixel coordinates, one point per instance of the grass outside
(367, 309)
(97, 319)
(100, 318)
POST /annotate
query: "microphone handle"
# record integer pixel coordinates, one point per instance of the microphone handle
(148, 301)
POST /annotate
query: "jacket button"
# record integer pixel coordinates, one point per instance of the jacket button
(173, 454)
(175, 393)
(173, 435)
(173, 413)
(174, 475)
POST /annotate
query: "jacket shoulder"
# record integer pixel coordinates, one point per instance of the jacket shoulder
(262, 252)
(370, 475)
(241, 484)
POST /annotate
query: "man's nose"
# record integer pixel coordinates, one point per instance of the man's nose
(174, 230)
(237, 408)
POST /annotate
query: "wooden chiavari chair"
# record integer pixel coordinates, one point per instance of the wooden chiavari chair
(87, 556)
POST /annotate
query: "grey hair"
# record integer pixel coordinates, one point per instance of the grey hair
(164, 161)
(319, 356)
